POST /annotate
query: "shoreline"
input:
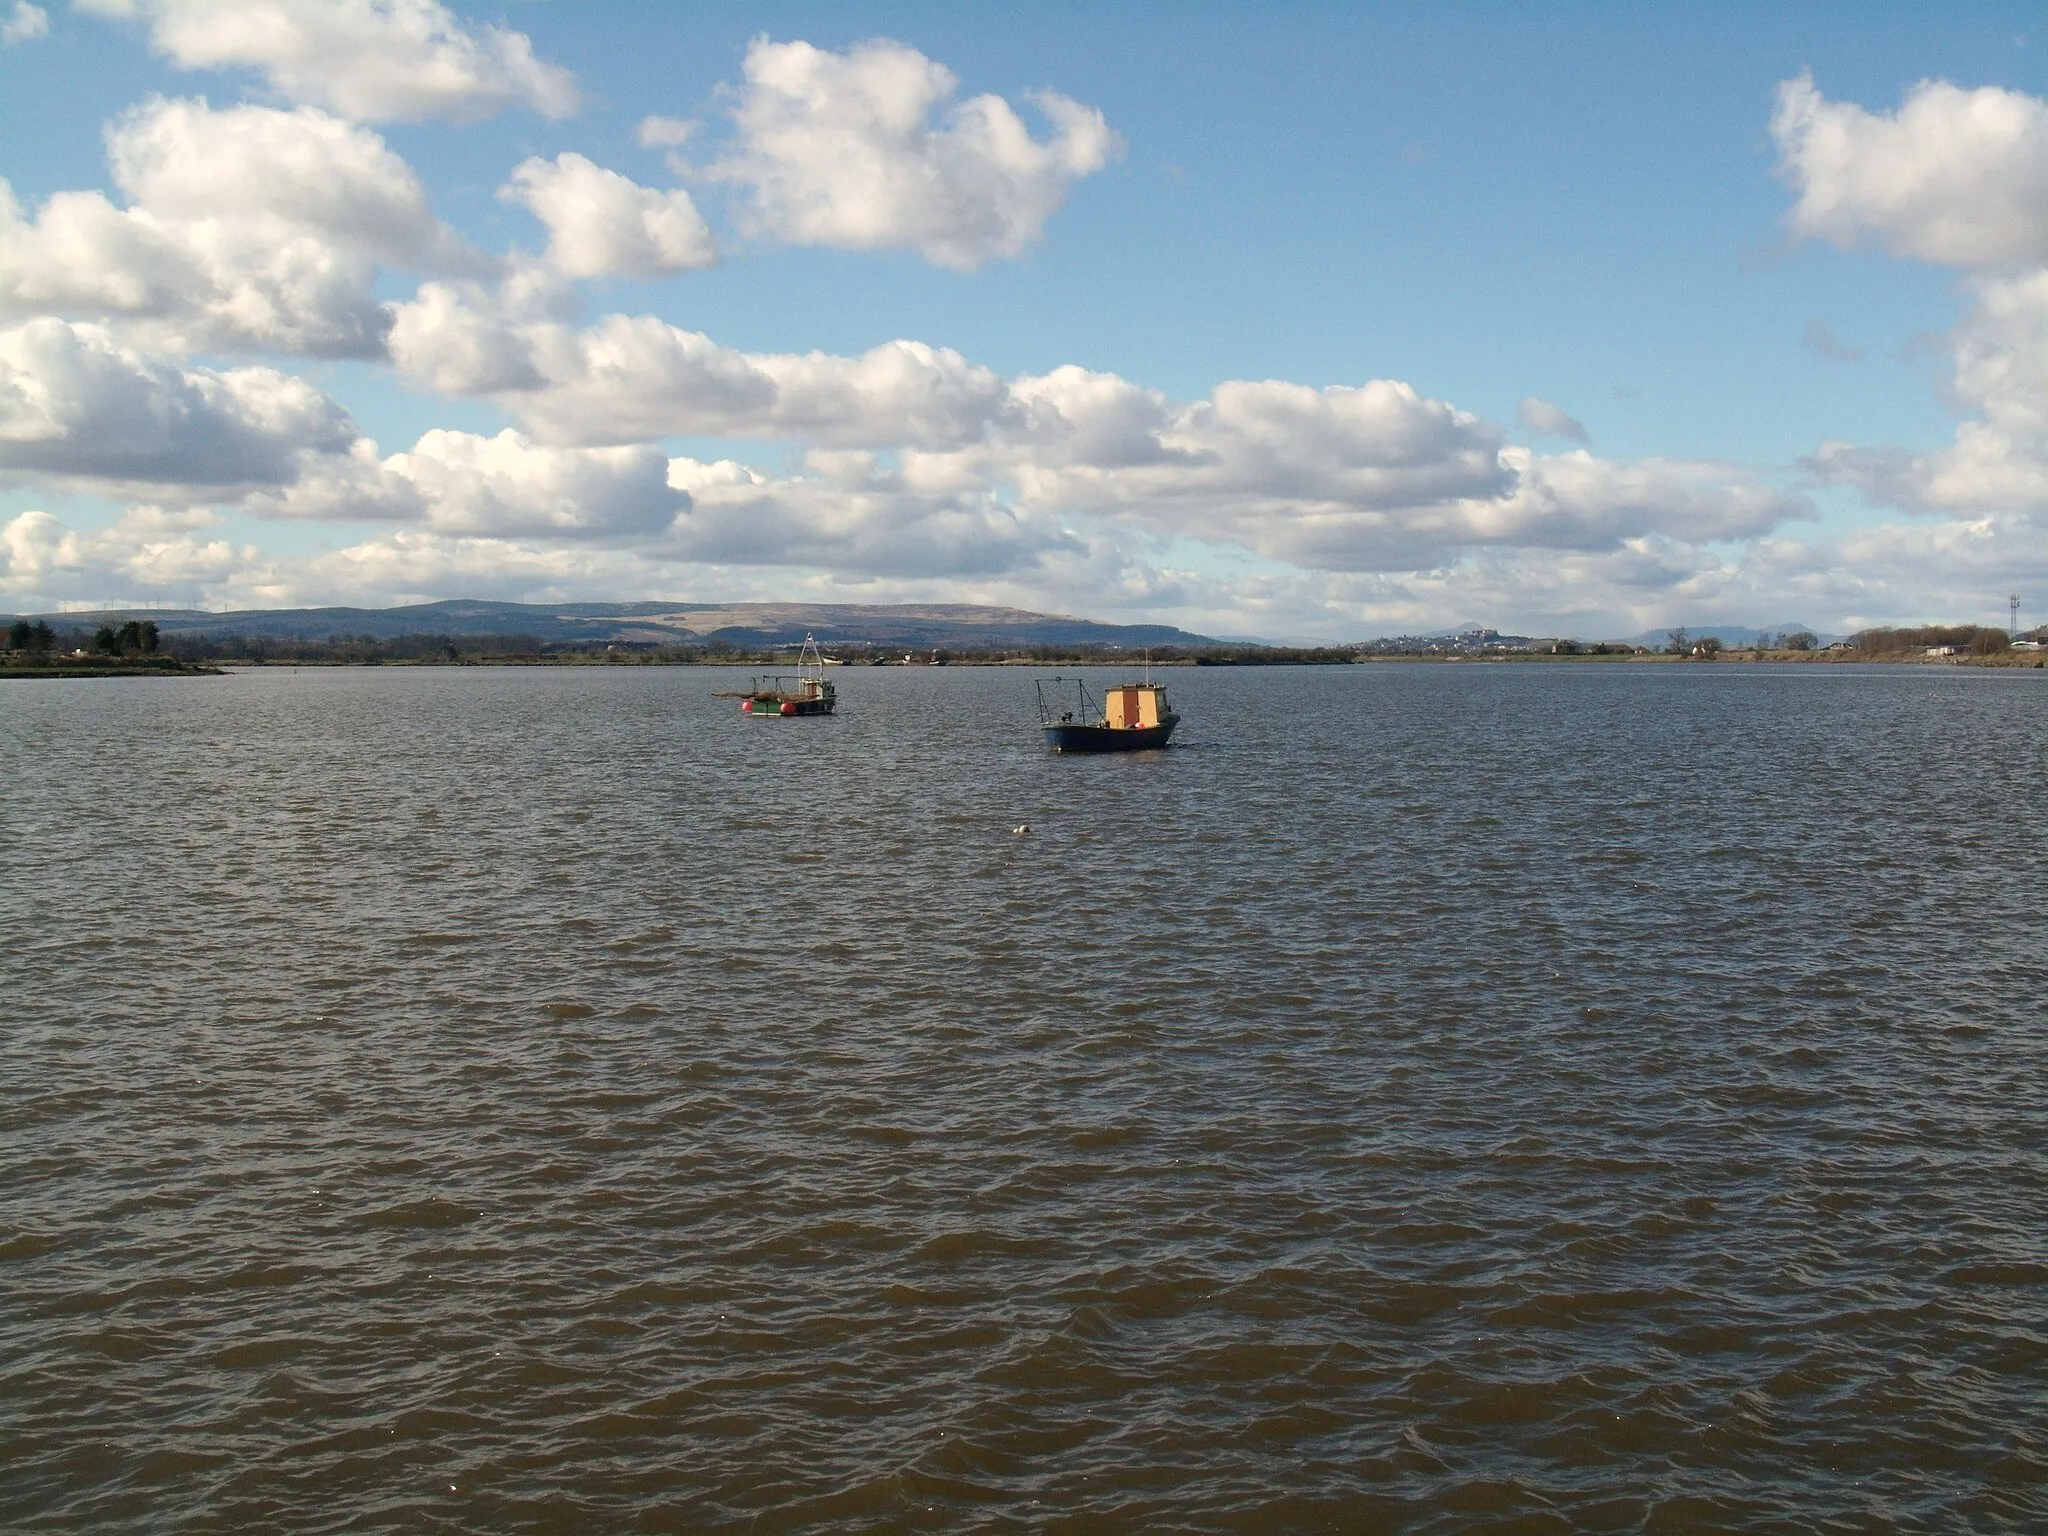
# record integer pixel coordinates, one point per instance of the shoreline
(2019, 661)
(72, 666)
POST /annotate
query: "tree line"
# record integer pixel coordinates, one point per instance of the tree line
(1977, 639)
(1679, 643)
(135, 637)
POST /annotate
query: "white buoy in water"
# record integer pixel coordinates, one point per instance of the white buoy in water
(1020, 830)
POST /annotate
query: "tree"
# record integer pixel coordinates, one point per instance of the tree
(1709, 647)
(1797, 640)
(106, 641)
(137, 637)
(20, 634)
(1680, 643)
(1989, 642)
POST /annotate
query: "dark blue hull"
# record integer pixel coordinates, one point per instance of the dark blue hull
(1100, 738)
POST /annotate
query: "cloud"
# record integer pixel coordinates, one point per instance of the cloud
(506, 486)
(1958, 177)
(1998, 461)
(1601, 594)
(1646, 583)
(637, 378)
(1553, 421)
(79, 408)
(602, 225)
(2001, 354)
(717, 526)
(1887, 574)
(369, 60)
(658, 132)
(1579, 501)
(490, 487)
(1253, 455)
(1375, 477)
(188, 161)
(145, 553)
(626, 379)
(840, 150)
(1818, 338)
(464, 338)
(854, 514)
(1984, 471)
(848, 511)
(1892, 573)
(24, 24)
(1368, 477)
(245, 227)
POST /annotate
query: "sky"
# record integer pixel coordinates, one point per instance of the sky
(1301, 322)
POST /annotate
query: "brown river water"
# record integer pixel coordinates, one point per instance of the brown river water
(1425, 1098)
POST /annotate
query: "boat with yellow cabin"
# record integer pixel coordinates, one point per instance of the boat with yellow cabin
(1133, 717)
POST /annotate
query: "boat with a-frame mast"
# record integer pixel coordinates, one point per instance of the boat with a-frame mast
(778, 696)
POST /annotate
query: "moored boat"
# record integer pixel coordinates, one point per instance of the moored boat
(1134, 717)
(810, 692)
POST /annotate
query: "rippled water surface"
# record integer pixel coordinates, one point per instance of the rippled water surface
(1430, 1098)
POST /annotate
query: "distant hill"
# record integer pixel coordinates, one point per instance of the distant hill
(915, 626)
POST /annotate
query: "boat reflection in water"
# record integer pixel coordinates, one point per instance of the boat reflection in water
(1134, 717)
(809, 693)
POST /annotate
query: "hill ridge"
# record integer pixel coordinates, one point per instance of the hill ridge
(964, 625)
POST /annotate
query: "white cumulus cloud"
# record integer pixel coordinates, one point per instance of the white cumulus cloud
(1362, 477)
(636, 378)
(1954, 176)
(866, 150)
(78, 407)
(502, 487)
(371, 60)
(601, 224)
(244, 227)
(1957, 177)
(150, 552)
(1366, 478)
(851, 513)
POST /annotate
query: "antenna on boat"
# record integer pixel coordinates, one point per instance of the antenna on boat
(1148, 664)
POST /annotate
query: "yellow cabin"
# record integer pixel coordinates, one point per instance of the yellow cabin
(1134, 706)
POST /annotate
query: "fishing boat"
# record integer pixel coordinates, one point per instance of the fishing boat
(810, 692)
(1133, 717)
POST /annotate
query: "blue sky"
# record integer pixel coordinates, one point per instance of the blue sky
(1676, 317)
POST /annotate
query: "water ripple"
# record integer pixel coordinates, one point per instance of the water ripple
(1437, 1099)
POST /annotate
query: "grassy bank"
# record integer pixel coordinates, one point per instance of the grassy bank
(33, 665)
